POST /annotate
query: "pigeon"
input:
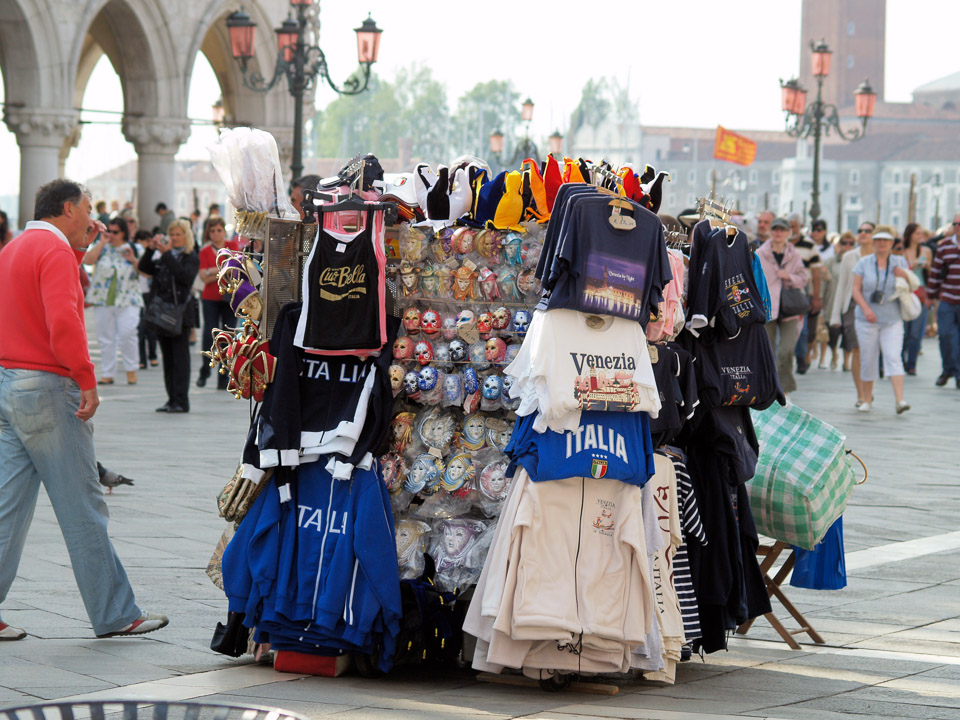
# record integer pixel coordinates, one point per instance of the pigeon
(109, 479)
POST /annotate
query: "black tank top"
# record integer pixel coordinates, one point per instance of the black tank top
(343, 296)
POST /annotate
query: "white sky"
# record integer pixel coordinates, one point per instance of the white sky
(688, 62)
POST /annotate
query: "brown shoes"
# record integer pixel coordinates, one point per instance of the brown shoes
(132, 378)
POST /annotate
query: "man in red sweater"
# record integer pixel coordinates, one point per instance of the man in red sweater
(48, 393)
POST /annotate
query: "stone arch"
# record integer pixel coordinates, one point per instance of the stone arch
(29, 55)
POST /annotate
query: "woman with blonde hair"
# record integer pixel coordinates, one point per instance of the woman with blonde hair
(173, 270)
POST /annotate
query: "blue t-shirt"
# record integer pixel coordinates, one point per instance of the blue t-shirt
(888, 312)
(600, 269)
(609, 445)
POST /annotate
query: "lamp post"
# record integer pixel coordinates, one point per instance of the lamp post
(937, 192)
(526, 148)
(300, 62)
(820, 118)
(555, 143)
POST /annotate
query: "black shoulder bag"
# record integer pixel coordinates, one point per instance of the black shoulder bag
(166, 317)
(793, 301)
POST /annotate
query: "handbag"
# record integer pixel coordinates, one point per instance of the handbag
(910, 307)
(803, 479)
(793, 301)
(166, 317)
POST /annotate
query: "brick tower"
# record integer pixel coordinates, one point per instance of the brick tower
(856, 32)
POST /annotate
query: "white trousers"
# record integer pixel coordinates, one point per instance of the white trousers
(873, 338)
(117, 327)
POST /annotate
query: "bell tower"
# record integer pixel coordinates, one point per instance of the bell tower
(856, 32)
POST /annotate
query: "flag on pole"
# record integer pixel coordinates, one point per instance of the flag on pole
(733, 147)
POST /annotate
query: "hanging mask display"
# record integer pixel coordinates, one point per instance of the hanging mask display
(402, 349)
(521, 322)
(449, 328)
(459, 471)
(488, 245)
(396, 378)
(528, 285)
(411, 538)
(499, 432)
(474, 434)
(501, 318)
(430, 282)
(492, 387)
(495, 350)
(458, 351)
(425, 473)
(441, 356)
(463, 241)
(470, 381)
(484, 324)
(436, 428)
(488, 284)
(411, 385)
(430, 322)
(423, 351)
(464, 284)
(401, 431)
(467, 326)
(452, 390)
(493, 483)
(394, 472)
(411, 321)
(478, 356)
(508, 286)
(530, 253)
(409, 279)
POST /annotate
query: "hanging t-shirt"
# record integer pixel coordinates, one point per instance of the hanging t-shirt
(583, 362)
(736, 371)
(607, 270)
(546, 272)
(722, 293)
(343, 290)
(615, 446)
(677, 384)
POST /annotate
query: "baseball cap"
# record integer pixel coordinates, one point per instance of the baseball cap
(780, 223)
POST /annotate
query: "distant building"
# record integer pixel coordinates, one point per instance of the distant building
(865, 180)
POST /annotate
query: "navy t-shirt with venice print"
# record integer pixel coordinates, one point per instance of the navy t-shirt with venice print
(609, 271)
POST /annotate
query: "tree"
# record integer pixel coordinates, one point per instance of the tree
(366, 123)
(425, 118)
(489, 106)
(594, 105)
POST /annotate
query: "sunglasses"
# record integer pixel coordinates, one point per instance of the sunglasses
(866, 231)
(956, 224)
(846, 242)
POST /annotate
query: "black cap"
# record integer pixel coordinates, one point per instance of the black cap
(780, 223)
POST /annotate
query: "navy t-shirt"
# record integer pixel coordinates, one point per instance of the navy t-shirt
(722, 294)
(677, 384)
(609, 445)
(605, 270)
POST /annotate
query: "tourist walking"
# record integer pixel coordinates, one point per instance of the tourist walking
(878, 321)
(943, 283)
(48, 392)
(843, 313)
(215, 309)
(783, 268)
(919, 258)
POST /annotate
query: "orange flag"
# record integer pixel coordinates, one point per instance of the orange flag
(735, 148)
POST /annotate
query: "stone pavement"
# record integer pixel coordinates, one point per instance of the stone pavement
(892, 636)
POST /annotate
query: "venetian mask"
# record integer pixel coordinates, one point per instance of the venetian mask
(470, 381)
(493, 483)
(427, 378)
(495, 350)
(501, 318)
(492, 387)
(449, 327)
(401, 431)
(459, 471)
(402, 348)
(511, 249)
(521, 322)
(528, 284)
(463, 241)
(411, 321)
(474, 435)
(423, 351)
(484, 322)
(430, 322)
(411, 385)
(488, 284)
(396, 378)
(458, 351)
(425, 472)
(530, 253)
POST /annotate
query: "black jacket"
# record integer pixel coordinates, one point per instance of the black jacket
(168, 271)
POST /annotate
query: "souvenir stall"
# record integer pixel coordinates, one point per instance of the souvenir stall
(495, 420)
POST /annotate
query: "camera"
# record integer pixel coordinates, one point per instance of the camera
(876, 297)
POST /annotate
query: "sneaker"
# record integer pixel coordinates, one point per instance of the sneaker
(863, 407)
(8, 632)
(822, 366)
(146, 623)
(902, 407)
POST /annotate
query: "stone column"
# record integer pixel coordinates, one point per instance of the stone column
(41, 135)
(156, 141)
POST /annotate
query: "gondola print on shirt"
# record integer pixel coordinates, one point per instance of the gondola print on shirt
(613, 286)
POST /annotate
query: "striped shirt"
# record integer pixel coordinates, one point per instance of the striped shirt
(944, 278)
(692, 531)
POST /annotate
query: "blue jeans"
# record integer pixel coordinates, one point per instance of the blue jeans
(800, 349)
(913, 332)
(41, 441)
(948, 322)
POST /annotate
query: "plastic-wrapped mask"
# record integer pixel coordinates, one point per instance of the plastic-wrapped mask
(423, 351)
(495, 350)
(521, 322)
(402, 348)
(492, 387)
(430, 322)
(458, 350)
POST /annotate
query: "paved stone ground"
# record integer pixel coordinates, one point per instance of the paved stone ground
(893, 635)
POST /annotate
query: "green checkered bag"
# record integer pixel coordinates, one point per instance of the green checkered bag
(803, 476)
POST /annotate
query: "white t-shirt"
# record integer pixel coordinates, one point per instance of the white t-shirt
(571, 361)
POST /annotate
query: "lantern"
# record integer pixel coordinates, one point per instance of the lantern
(555, 143)
(496, 142)
(526, 110)
(242, 31)
(866, 100)
(287, 35)
(821, 59)
(789, 90)
(368, 41)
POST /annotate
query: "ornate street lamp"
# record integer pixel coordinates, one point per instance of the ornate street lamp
(526, 148)
(300, 62)
(820, 118)
(555, 141)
